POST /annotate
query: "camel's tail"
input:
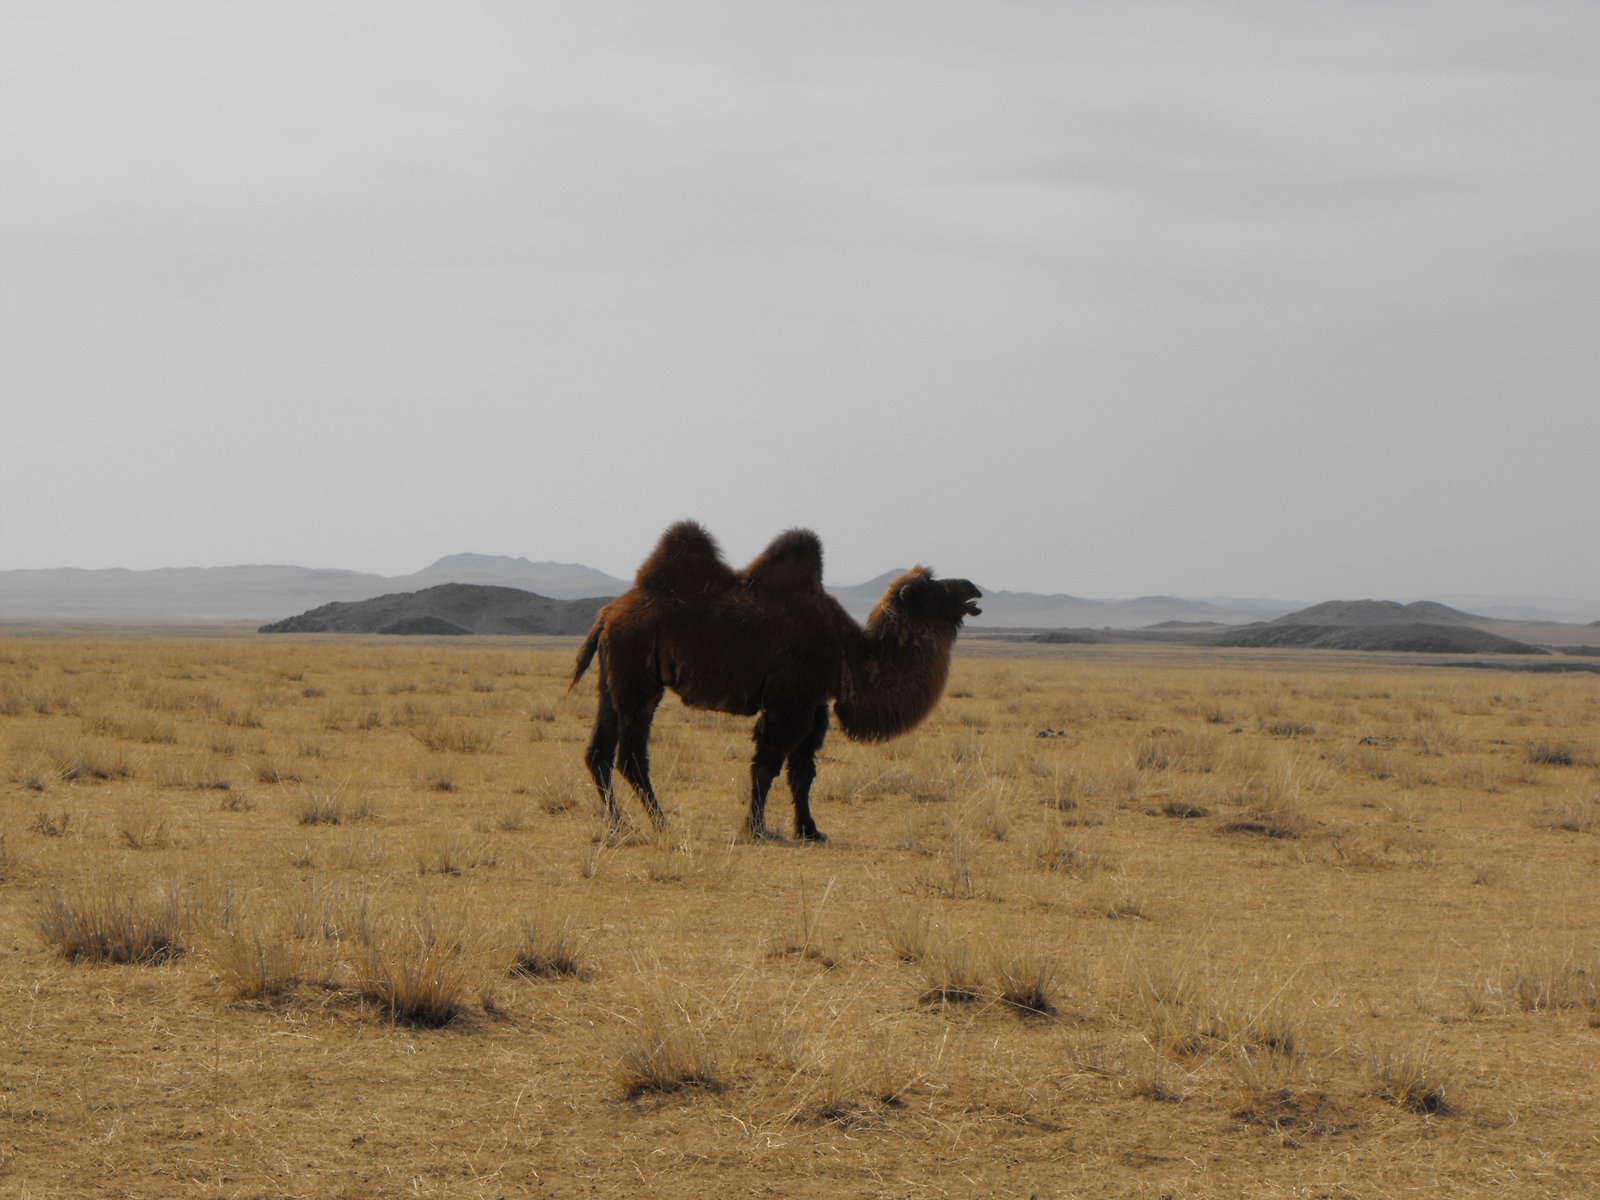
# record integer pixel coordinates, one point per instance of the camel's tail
(586, 653)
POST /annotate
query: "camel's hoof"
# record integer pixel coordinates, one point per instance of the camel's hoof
(812, 835)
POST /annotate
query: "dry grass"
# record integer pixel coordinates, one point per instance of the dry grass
(1116, 921)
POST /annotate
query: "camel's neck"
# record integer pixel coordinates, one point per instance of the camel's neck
(894, 674)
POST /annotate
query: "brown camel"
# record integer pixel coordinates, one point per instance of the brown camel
(764, 640)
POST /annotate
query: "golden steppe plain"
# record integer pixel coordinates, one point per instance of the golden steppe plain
(1115, 921)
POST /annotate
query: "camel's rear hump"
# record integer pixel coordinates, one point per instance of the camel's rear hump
(792, 563)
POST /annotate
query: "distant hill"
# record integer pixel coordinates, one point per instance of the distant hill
(1032, 610)
(449, 608)
(1408, 637)
(259, 593)
(560, 581)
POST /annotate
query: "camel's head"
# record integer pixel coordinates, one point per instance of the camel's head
(918, 596)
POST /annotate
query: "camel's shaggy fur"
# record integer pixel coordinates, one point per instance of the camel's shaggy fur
(766, 640)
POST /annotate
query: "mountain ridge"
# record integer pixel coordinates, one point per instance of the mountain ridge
(264, 592)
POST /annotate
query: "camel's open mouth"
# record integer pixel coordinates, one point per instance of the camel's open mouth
(964, 592)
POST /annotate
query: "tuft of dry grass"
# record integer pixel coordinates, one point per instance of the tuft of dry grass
(1415, 1076)
(1026, 976)
(951, 974)
(1549, 752)
(1578, 813)
(1274, 806)
(549, 945)
(51, 825)
(1552, 982)
(415, 971)
(254, 964)
(320, 807)
(454, 737)
(109, 923)
(908, 932)
(663, 1048)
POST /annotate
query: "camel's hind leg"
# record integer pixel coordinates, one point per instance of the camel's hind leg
(779, 732)
(603, 751)
(802, 770)
(633, 756)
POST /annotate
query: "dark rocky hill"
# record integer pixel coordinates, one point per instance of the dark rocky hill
(450, 608)
(1365, 613)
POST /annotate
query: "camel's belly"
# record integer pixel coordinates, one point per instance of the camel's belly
(742, 706)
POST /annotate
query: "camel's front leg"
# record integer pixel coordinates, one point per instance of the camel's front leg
(802, 771)
(778, 731)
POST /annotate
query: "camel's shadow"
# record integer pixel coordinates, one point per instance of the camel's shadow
(630, 835)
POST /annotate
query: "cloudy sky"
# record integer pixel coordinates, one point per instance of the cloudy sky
(1296, 300)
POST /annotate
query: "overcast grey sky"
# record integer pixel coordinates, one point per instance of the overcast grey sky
(1287, 299)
